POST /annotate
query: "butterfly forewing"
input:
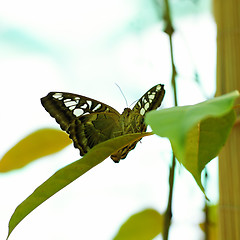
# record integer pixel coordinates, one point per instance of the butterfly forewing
(89, 122)
(151, 100)
(66, 107)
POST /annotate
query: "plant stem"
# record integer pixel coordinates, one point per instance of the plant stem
(168, 213)
(170, 30)
(206, 223)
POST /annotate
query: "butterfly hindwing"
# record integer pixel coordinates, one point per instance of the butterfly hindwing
(89, 122)
(87, 131)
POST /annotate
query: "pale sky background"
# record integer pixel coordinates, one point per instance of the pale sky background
(85, 47)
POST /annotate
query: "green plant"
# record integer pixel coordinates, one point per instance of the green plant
(197, 133)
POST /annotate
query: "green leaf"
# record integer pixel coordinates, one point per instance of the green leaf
(197, 132)
(36, 145)
(144, 225)
(68, 174)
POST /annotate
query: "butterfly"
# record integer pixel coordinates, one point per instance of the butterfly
(89, 122)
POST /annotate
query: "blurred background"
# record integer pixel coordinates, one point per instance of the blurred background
(86, 47)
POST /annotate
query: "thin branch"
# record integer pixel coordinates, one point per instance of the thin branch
(206, 208)
(168, 213)
(170, 30)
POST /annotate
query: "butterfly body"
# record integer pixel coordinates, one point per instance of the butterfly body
(89, 122)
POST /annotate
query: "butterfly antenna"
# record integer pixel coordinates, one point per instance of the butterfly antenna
(122, 94)
(133, 103)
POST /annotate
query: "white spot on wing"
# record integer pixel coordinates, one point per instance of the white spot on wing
(77, 99)
(151, 97)
(142, 111)
(158, 87)
(69, 103)
(84, 106)
(89, 103)
(58, 96)
(78, 112)
(146, 106)
(72, 107)
(97, 107)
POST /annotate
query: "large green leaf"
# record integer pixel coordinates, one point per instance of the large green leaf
(197, 132)
(36, 145)
(144, 225)
(68, 174)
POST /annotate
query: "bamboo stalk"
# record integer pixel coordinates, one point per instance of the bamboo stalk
(227, 15)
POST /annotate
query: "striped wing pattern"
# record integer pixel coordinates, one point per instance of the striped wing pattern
(89, 122)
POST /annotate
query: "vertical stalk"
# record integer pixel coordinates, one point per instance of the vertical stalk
(170, 30)
(168, 213)
(206, 209)
(228, 61)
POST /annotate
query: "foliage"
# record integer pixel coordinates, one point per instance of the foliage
(196, 133)
(68, 174)
(36, 145)
(144, 225)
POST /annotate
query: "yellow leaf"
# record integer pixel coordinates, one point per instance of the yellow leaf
(36, 145)
(144, 225)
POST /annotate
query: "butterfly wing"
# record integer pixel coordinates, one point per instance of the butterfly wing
(151, 100)
(87, 121)
(65, 107)
(87, 131)
(133, 120)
